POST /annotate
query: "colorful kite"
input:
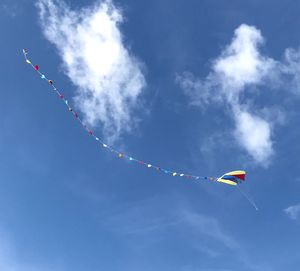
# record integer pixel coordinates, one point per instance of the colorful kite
(231, 178)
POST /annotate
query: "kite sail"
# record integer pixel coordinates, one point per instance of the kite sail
(231, 178)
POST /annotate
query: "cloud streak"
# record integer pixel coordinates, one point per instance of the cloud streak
(108, 77)
(209, 227)
(240, 67)
(293, 212)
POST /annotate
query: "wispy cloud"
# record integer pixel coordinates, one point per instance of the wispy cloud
(293, 212)
(108, 76)
(9, 8)
(202, 233)
(140, 218)
(241, 67)
(9, 260)
(221, 241)
(210, 227)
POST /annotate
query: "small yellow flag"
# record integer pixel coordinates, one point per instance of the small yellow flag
(174, 174)
(28, 61)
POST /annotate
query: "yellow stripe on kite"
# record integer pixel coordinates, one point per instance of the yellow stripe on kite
(226, 181)
(236, 172)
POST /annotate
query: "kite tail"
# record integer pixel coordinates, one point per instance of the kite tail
(247, 197)
(117, 153)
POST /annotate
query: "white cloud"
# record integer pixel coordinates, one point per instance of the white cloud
(108, 77)
(254, 133)
(241, 64)
(293, 211)
(239, 67)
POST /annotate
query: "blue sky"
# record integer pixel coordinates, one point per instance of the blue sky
(203, 87)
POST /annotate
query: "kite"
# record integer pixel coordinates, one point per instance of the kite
(231, 178)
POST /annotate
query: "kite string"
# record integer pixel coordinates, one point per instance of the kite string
(91, 133)
(250, 200)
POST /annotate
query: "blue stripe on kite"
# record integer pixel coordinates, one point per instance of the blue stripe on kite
(228, 177)
(232, 178)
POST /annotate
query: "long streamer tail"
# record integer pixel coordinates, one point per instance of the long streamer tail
(117, 153)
